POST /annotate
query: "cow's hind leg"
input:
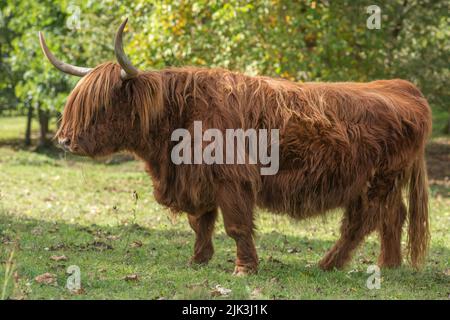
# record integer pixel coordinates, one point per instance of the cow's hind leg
(203, 225)
(357, 223)
(237, 210)
(390, 230)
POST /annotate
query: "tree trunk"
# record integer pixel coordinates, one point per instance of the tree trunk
(28, 128)
(44, 117)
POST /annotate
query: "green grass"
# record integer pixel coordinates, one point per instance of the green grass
(12, 129)
(54, 204)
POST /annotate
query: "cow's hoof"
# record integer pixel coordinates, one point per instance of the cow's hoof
(327, 264)
(201, 258)
(196, 261)
(326, 267)
(241, 271)
(330, 264)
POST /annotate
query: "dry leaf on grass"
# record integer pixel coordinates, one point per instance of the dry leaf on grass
(256, 293)
(58, 258)
(136, 244)
(131, 277)
(274, 280)
(37, 231)
(46, 278)
(218, 291)
(16, 276)
(77, 291)
(57, 246)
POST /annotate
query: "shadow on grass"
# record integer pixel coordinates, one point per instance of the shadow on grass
(107, 255)
(52, 151)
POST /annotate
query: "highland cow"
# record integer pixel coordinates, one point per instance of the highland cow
(347, 145)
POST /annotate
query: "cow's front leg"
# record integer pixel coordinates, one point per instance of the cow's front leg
(203, 225)
(237, 211)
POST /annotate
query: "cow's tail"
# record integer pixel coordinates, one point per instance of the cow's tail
(418, 229)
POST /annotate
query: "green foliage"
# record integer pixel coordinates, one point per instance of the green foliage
(306, 41)
(39, 83)
(298, 40)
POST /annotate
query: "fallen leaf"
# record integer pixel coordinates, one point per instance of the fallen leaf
(16, 277)
(131, 277)
(55, 247)
(7, 240)
(274, 280)
(256, 293)
(136, 244)
(77, 291)
(447, 272)
(58, 258)
(37, 231)
(46, 278)
(218, 290)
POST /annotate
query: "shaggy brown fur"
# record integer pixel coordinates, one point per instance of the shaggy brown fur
(354, 146)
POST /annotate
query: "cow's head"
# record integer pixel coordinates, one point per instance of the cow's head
(109, 106)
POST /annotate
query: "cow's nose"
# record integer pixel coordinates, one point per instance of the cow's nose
(64, 142)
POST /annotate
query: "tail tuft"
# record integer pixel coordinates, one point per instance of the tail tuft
(418, 230)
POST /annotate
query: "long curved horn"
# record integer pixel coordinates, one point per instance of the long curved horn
(128, 70)
(64, 67)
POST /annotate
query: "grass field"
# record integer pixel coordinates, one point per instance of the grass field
(59, 210)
